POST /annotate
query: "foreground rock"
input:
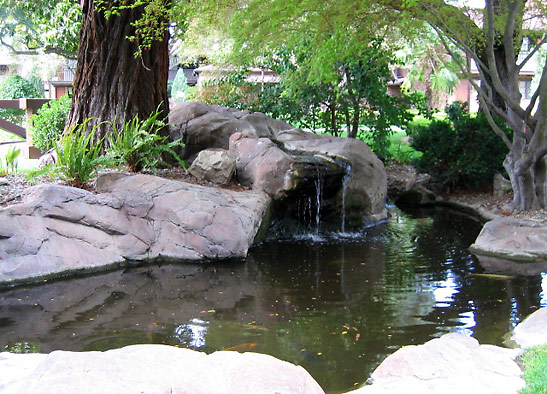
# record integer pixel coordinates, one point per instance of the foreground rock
(59, 229)
(452, 364)
(532, 331)
(335, 179)
(455, 364)
(513, 239)
(151, 369)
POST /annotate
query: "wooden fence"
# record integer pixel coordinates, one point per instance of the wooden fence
(30, 106)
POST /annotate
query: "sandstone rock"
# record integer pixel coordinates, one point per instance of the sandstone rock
(213, 165)
(260, 164)
(59, 229)
(151, 369)
(287, 163)
(512, 239)
(532, 331)
(452, 364)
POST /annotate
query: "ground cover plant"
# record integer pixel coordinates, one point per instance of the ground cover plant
(535, 370)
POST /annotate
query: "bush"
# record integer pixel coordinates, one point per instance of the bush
(78, 157)
(461, 151)
(138, 145)
(48, 123)
(15, 86)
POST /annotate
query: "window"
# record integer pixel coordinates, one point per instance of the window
(525, 88)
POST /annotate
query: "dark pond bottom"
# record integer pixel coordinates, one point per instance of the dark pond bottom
(335, 305)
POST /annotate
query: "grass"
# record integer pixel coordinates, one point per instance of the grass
(535, 370)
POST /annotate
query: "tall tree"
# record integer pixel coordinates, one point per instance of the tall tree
(122, 67)
(491, 37)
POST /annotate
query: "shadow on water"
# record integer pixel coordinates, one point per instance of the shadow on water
(337, 306)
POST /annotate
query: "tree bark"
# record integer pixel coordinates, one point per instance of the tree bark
(110, 83)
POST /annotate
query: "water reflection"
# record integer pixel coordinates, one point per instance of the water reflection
(336, 306)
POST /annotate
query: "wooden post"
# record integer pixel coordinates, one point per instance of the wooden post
(31, 105)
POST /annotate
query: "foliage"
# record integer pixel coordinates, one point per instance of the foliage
(150, 27)
(431, 69)
(229, 89)
(461, 151)
(50, 26)
(180, 86)
(138, 145)
(535, 370)
(48, 123)
(11, 159)
(15, 86)
(78, 157)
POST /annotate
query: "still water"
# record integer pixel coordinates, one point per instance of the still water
(336, 304)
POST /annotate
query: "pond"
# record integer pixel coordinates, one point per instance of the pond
(336, 304)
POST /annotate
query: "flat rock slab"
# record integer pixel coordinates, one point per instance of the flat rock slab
(452, 364)
(58, 229)
(151, 369)
(512, 239)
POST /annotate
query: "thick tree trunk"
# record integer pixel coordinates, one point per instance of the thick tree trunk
(110, 84)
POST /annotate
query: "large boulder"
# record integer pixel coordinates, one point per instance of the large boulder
(339, 179)
(151, 369)
(451, 364)
(512, 239)
(59, 229)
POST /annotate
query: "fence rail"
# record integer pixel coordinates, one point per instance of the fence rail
(30, 106)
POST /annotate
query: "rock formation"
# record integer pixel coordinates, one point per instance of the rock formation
(337, 179)
(512, 239)
(58, 229)
(151, 369)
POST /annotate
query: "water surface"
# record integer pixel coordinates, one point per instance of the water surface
(336, 304)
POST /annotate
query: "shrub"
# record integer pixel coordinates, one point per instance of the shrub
(460, 152)
(138, 145)
(78, 157)
(15, 86)
(48, 123)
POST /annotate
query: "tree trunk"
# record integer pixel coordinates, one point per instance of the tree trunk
(110, 84)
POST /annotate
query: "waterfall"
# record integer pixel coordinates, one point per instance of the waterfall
(345, 181)
(318, 198)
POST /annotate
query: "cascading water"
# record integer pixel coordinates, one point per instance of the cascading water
(345, 181)
(318, 198)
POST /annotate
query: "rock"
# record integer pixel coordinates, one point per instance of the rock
(60, 229)
(289, 164)
(452, 364)
(151, 369)
(48, 158)
(4, 182)
(532, 331)
(512, 239)
(501, 185)
(400, 179)
(261, 165)
(213, 165)
(418, 195)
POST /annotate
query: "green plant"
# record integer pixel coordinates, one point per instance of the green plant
(139, 145)
(78, 157)
(48, 123)
(15, 86)
(11, 159)
(462, 151)
(535, 370)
